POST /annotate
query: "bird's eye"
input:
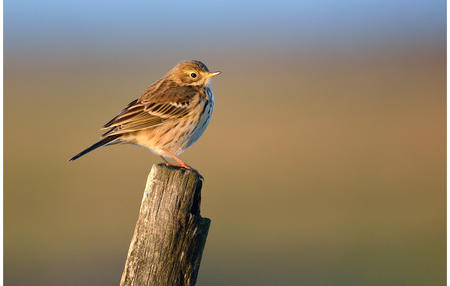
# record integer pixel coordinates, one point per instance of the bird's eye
(193, 75)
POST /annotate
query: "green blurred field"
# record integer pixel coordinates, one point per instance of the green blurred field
(315, 173)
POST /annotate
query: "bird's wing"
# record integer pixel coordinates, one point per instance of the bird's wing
(152, 109)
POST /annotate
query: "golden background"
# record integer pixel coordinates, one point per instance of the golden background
(324, 162)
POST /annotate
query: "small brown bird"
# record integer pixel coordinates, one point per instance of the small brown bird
(170, 115)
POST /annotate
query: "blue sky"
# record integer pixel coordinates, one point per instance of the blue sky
(272, 23)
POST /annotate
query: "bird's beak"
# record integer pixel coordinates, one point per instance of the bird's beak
(211, 74)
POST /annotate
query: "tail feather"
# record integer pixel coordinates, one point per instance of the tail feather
(103, 142)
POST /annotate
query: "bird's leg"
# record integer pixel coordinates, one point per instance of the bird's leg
(162, 157)
(179, 161)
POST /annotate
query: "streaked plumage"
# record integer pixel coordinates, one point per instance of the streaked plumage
(170, 115)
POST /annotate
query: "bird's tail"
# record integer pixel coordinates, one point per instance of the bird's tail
(105, 141)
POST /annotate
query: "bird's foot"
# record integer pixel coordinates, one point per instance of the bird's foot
(185, 166)
(180, 162)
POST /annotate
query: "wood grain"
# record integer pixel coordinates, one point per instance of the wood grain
(170, 234)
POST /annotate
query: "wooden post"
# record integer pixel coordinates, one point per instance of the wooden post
(170, 234)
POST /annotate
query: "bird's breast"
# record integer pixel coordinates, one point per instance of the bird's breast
(179, 134)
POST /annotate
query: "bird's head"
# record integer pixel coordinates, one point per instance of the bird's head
(191, 73)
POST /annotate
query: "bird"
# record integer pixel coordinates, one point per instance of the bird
(168, 117)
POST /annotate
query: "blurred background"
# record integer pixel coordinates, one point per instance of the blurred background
(324, 162)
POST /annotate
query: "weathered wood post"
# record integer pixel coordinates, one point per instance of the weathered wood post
(170, 234)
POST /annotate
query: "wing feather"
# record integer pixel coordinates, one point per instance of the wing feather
(153, 108)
